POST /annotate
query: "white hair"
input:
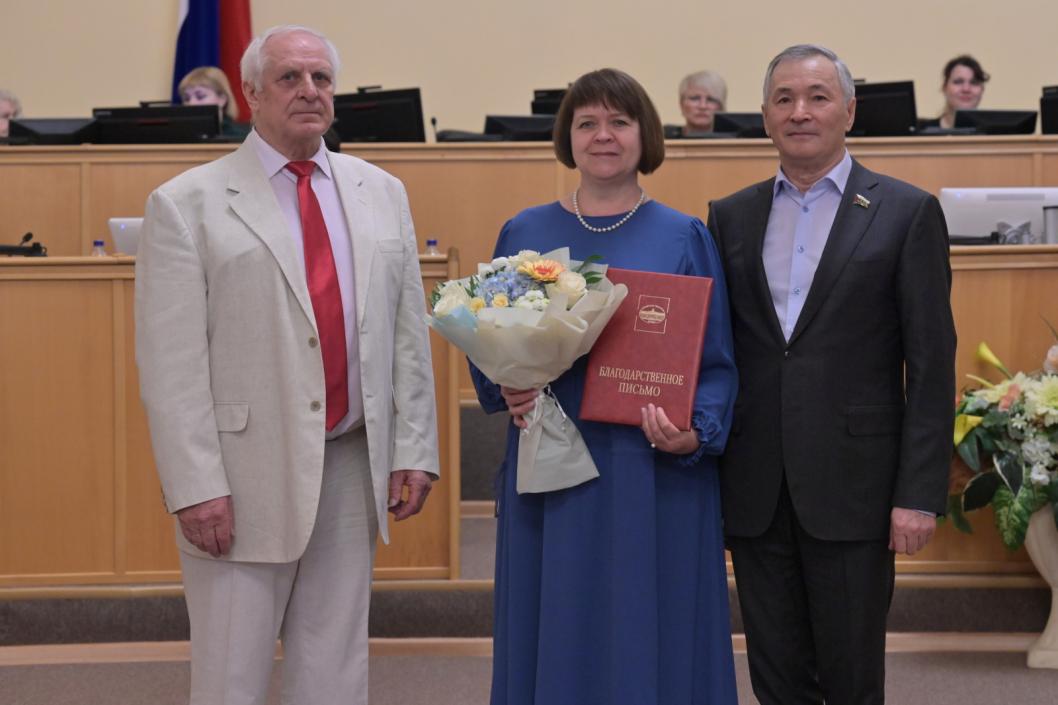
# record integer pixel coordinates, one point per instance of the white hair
(799, 52)
(709, 80)
(16, 104)
(252, 65)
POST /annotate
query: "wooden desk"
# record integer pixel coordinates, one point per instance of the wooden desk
(462, 194)
(79, 498)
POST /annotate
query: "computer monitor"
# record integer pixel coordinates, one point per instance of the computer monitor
(885, 110)
(157, 125)
(51, 131)
(547, 100)
(1049, 111)
(380, 116)
(522, 128)
(739, 124)
(997, 122)
(975, 212)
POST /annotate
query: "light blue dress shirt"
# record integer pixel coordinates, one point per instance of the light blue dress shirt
(797, 232)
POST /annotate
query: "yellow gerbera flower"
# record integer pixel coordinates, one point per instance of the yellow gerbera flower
(500, 301)
(542, 270)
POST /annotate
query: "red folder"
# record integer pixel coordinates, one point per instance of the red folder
(650, 351)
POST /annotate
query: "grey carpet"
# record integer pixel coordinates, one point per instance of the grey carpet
(912, 679)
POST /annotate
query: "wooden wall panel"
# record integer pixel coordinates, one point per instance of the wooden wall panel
(43, 198)
(56, 428)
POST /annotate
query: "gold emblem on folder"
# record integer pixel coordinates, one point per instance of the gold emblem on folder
(653, 312)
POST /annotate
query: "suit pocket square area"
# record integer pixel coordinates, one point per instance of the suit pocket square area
(878, 420)
(231, 416)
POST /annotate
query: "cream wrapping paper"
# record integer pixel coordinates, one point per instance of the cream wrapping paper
(525, 349)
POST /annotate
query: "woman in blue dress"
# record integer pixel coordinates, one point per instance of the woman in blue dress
(614, 592)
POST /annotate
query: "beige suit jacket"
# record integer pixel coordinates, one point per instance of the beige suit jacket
(230, 374)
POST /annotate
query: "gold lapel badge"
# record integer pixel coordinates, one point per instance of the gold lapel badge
(861, 201)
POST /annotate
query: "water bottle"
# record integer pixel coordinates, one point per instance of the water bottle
(97, 249)
(431, 248)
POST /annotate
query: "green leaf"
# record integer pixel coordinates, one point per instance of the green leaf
(955, 513)
(980, 490)
(1009, 465)
(1012, 520)
(588, 261)
(968, 451)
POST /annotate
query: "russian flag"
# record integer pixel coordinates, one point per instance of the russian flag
(213, 33)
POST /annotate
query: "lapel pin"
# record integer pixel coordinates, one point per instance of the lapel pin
(861, 201)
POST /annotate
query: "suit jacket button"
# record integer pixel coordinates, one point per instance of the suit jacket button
(313, 342)
(786, 353)
(315, 406)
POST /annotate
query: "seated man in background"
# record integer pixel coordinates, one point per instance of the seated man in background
(10, 108)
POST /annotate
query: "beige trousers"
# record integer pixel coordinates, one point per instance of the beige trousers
(317, 606)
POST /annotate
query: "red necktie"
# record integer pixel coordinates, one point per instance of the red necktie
(326, 295)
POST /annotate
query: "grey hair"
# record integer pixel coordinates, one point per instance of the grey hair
(709, 80)
(252, 65)
(13, 99)
(800, 52)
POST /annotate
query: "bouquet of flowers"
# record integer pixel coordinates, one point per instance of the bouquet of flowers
(523, 321)
(1007, 433)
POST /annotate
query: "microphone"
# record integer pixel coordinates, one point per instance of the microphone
(34, 250)
(433, 124)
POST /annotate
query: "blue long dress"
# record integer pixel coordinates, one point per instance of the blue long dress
(614, 592)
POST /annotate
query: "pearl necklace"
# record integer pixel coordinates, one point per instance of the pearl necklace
(615, 226)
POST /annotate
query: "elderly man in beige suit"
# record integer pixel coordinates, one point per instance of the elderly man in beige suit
(285, 369)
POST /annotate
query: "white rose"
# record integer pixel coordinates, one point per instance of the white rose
(524, 256)
(454, 288)
(1050, 363)
(447, 304)
(572, 284)
(499, 263)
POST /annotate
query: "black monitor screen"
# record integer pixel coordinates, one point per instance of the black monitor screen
(547, 100)
(1049, 111)
(157, 125)
(524, 128)
(885, 110)
(52, 131)
(739, 124)
(380, 116)
(997, 122)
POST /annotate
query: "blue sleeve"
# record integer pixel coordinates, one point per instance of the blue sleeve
(488, 393)
(714, 400)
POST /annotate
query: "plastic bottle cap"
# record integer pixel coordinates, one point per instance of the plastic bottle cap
(97, 243)
(431, 243)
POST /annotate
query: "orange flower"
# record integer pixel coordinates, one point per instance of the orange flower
(542, 270)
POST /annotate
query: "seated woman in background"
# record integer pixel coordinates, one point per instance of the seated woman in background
(207, 85)
(963, 87)
(702, 95)
(10, 108)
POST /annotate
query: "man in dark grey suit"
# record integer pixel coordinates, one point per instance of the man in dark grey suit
(839, 283)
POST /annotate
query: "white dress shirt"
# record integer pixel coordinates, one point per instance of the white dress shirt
(285, 185)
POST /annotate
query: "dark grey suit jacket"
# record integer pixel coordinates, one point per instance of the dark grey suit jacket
(833, 407)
